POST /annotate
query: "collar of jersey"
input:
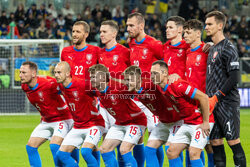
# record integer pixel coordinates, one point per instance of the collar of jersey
(69, 85)
(140, 41)
(165, 88)
(106, 89)
(80, 50)
(34, 87)
(193, 50)
(139, 91)
(177, 44)
(108, 50)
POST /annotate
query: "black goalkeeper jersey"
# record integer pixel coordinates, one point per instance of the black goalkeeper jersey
(222, 58)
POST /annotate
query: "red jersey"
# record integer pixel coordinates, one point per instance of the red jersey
(175, 57)
(118, 103)
(160, 105)
(80, 60)
(80, 101)
(144, 53)
(196, 67)
(116, 59)
(182, 94)
(47, 100)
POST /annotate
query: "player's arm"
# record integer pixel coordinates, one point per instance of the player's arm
(207, 47)
(203, 99)
(158, 50)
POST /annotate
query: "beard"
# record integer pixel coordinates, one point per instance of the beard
(79, 41)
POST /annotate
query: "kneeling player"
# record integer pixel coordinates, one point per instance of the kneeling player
(160, 106)
(130, 120)
(56, 119)
(197, 125)
(88, 123)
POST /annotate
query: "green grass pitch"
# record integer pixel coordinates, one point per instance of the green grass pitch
(15, 132)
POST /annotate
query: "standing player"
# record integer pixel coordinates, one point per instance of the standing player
(221, 85)
(130, 119)
(88, 122)
(144, 50)
(116, 58)
(80, 56)
(160, 106)
(56, 120)
(196, 68)
(174, 49)
(196, 125)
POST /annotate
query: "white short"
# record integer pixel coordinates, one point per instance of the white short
(47, 130)
(129, 133)
(109, 120)
(76, 137)
(152, 120)
(188, 134)
(165, 131)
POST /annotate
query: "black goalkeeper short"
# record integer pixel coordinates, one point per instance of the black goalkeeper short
(227, 122)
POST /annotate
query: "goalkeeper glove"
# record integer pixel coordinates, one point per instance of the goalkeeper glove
(214, 100)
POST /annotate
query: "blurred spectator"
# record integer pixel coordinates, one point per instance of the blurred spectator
(49, 20)
(23, 32)
(69, 22)
(117, 11)
(67, 10)
(4, 31)
(241, 47)
(187, 8)
(86, 13)
(98, 20)
(42, 11)
(106, 14)
(60, 20)
(31, 22)
(11, 18)
(118, 18)
(154, 20)
(50, 34)
(3, 18)
(78, 17)
(92, 33)
(41, 32)
(52, 10)
(96, 10)
(247, 47)
(242, 30)
(32, 10)
(20, 13)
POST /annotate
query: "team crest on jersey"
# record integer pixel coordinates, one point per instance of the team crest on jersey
(89, 58)
(180, 50)
(198, 58)
(180, 53)
(40, 94)
(214, 56)
(115, 58)
(75, 94)
(114, 102)
(145, 52)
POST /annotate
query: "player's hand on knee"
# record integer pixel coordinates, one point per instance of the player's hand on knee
(205, 128)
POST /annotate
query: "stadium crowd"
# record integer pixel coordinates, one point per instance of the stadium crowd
(44, 22)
